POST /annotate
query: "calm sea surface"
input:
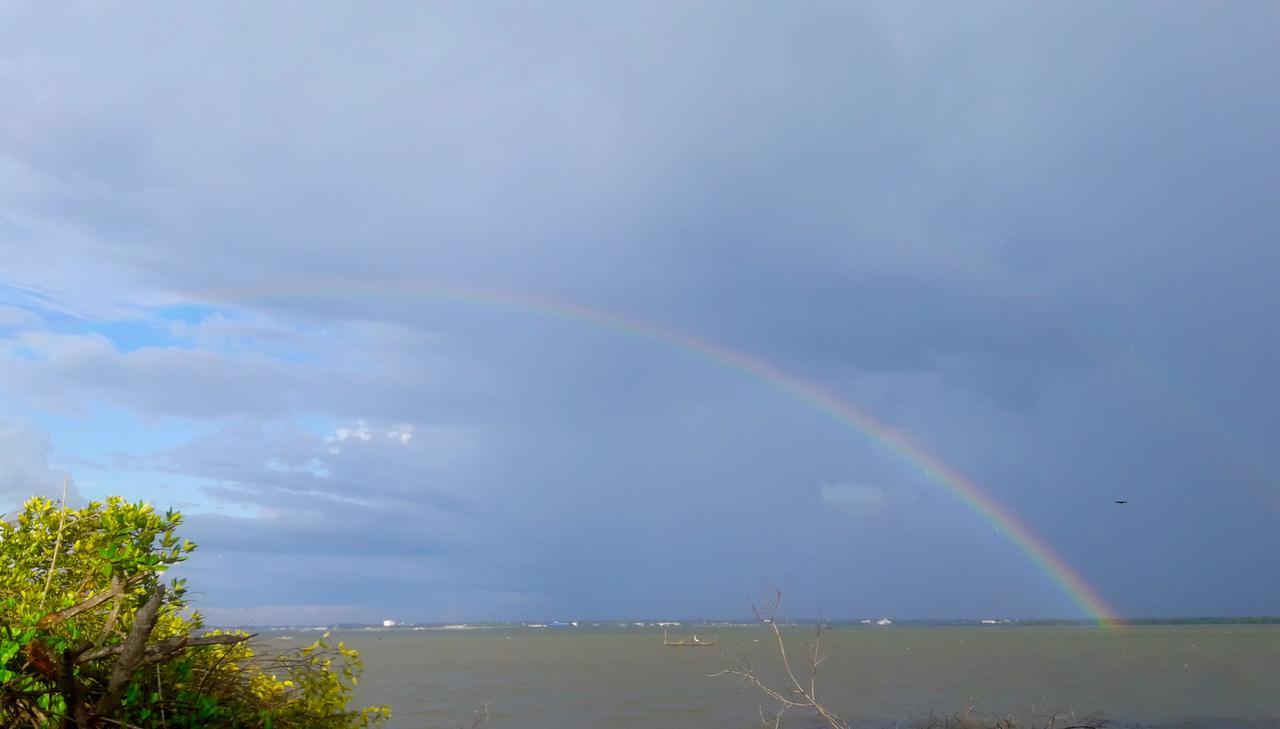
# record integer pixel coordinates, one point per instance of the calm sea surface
(1197, 676)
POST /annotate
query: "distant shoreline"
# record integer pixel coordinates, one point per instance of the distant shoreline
(704, 623)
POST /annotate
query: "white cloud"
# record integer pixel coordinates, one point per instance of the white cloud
(858, 499)
(24, 466)
(274, 464)
(402, 433)
(361, 431)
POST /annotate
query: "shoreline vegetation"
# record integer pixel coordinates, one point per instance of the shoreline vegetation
(92, 636)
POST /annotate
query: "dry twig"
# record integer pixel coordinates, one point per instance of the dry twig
(57, 544)
(794, 693)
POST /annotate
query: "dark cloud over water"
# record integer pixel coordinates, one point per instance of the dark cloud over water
(1035, 238)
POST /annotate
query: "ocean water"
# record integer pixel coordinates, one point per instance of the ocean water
(581, 678)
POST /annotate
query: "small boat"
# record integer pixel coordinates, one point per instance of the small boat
(694, 641)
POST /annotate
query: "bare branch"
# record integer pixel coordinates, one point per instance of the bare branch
(117, 588)
(57, 544)
(795, 695)
(165, 649)
(132, 652)
(115, 607)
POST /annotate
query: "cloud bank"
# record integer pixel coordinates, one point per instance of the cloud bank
(1035, 238)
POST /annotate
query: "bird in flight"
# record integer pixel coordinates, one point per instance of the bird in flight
(1121, 501)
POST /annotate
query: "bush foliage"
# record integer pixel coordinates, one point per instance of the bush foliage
(92, 636)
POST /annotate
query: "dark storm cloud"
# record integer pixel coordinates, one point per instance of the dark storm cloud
(1023, 234)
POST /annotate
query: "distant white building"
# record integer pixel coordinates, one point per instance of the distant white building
(388, 623)
(884, 621)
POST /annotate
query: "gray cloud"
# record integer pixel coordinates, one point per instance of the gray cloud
(13, 317)
(1034, 238)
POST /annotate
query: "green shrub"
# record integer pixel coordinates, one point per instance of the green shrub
(91, 636)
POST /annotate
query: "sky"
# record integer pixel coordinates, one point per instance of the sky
(438, 312)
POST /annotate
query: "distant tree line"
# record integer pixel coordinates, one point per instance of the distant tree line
(1191, 620)
(1206, 620)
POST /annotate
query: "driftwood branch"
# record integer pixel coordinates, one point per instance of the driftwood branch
(164, 649)
(132, 651)
(116, 590)
(130, 655)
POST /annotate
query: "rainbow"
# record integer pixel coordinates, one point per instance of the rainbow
(1036, 549)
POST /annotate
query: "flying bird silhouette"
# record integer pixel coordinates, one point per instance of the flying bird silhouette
(1121, 501)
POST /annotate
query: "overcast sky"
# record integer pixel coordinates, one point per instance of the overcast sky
(1040, 240)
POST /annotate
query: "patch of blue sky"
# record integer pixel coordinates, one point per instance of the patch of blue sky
(131, 335)
(314, 467)
(19, 351)
(238, 332)
(111, 448)
(162, 490)
(15, 294)
(175, 327)
(318, 425)
(187, 313)
(127, 335)
(18, 314)
(102, 432)
(154, 331)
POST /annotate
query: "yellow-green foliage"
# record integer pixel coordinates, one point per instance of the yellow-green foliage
(72, 585)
